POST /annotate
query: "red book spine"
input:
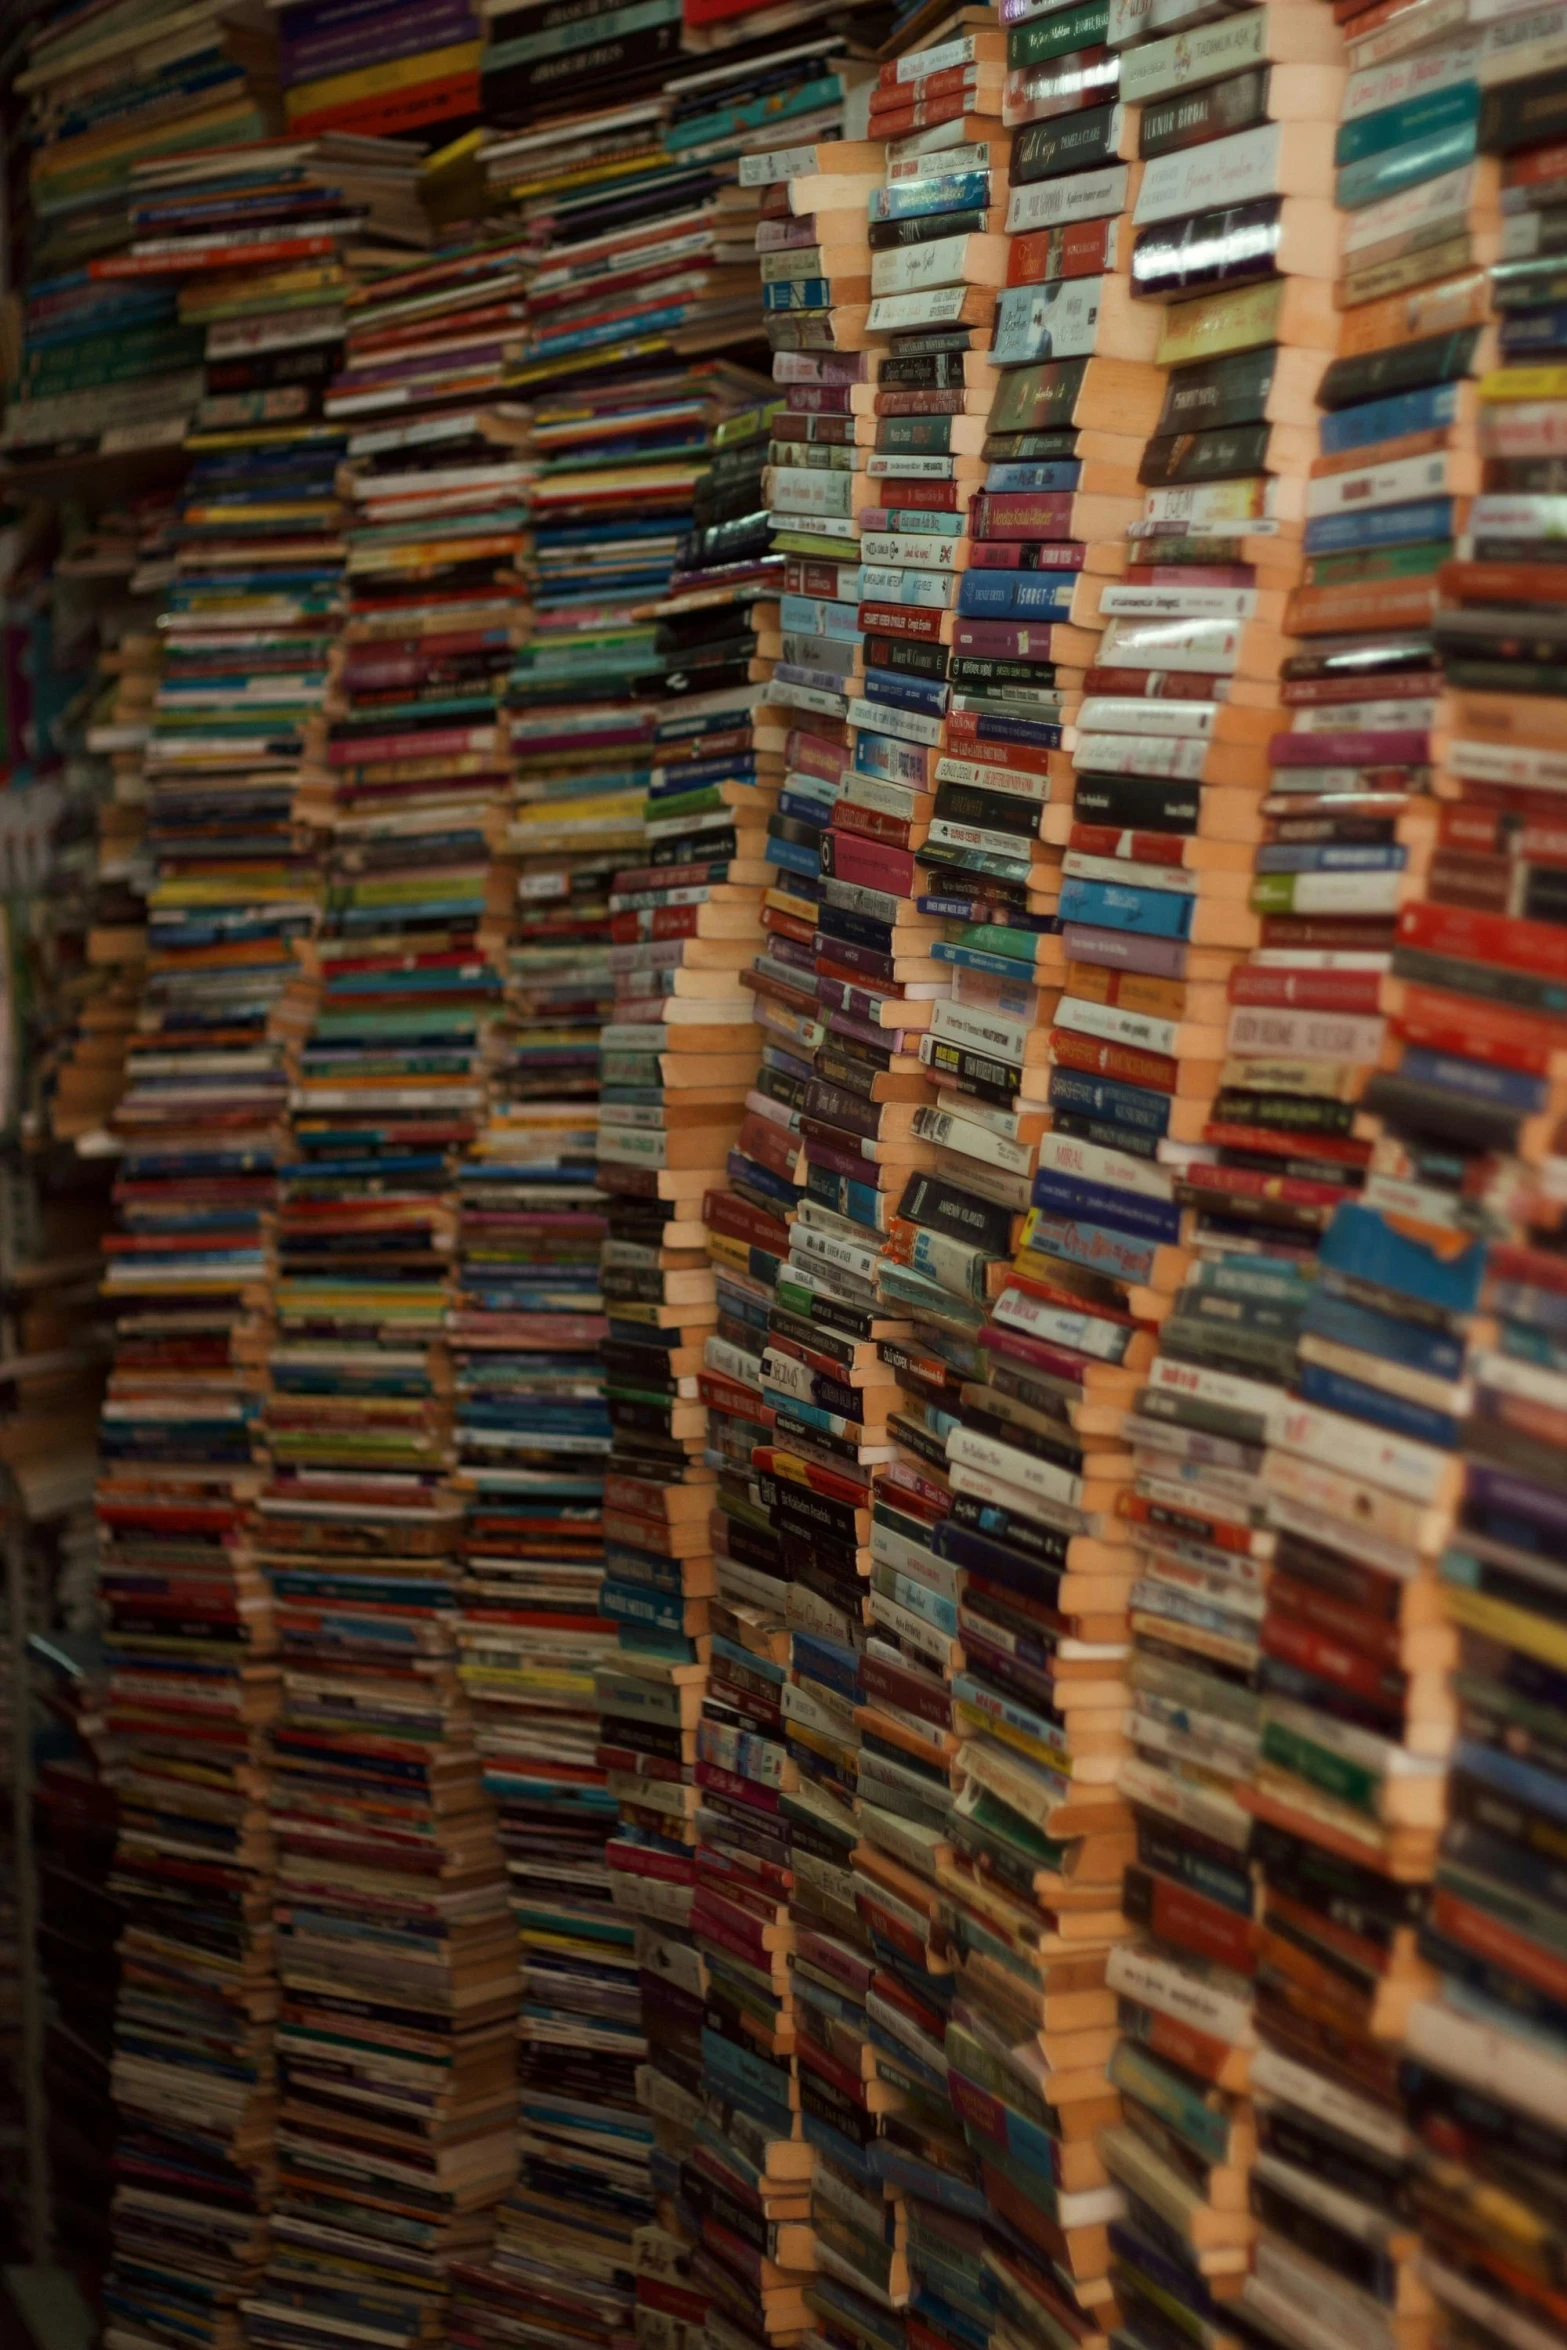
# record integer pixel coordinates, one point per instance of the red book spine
(1147, 848)
(1191, 1922)
(1080, 249)
(1310, 991)
(1508, 941)
(1102, 1059)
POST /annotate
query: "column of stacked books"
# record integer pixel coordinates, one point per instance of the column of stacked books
(817, 1372)
(679, 1057)
(387, 70)
(995, 1523)
(532, 1435)
(129, 546)
(396, 1947)
(577, 733)
(897, 2195)
(1234, 140)
(1353, 1716)
(106, 368)
(718, 749)
(639, 267)
(745, 2184)
(1467, 1162)
(248, 623)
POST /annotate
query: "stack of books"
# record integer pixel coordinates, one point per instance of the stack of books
(532, 1438)
(104, 368)
(397, 1949)
(247, 627)
(542, 61)
(997, 1563)
(1233, 145)
(622, 421)
(1457, 1204)
(396, 69)
(122, 558)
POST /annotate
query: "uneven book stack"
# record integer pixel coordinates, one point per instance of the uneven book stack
(1231, 226)
(397, 1950)
(378, 68)
(1464, 1169)
(1353, 1712)
(532, 1435)
(247, 629)
(679, 1057)
(641, 265)
(123, 556)
(105, 367)
(995, 1525)
(789, 1695)
(74, 1833)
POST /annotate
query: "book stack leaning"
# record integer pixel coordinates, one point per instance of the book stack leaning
(1466, 1162)
(397, 1953)
(235, 741)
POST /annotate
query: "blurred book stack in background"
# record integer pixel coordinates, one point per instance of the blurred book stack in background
(1465, 1166)
(1234, 231)
(191, 1645)
(397, 1955)
(392, 69)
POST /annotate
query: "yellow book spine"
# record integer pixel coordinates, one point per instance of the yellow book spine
(74, 164)
(376, 81)
(1515, 1627)
(1237, 319)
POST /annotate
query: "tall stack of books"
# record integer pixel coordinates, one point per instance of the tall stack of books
(1173, 760)
(639, 270)
(1464, 1167)
(532, 1436)
(400, 69)
(714, 1989)
(397, 1949)
(122, 556)
(247, 628)
(993, 1534)
(104, 368)
(1354, 1715)
(679, 1056)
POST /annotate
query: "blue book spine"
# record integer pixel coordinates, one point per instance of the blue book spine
(824, 1660)
(1101, 1097)
(801, 293)
(1097, 1203)
(1384, 526)
(976, 959)
(1525, 1782)
(1478, 1081)
(795, 856)
(1404, 167)
(1342, 1322)
(803, 810)
(1361, 1246)
(1330, 857)
(1336, 1393)
(1535, 330)
(927, 695)
(1110, 905)
(1404, 125)
(954, 191)
(885, 756)
(914, 522)
(1045, 733)
(1038, 595)
(809, 615)
(1056, 473)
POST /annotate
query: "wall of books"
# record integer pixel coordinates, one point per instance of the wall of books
(832, 1008)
